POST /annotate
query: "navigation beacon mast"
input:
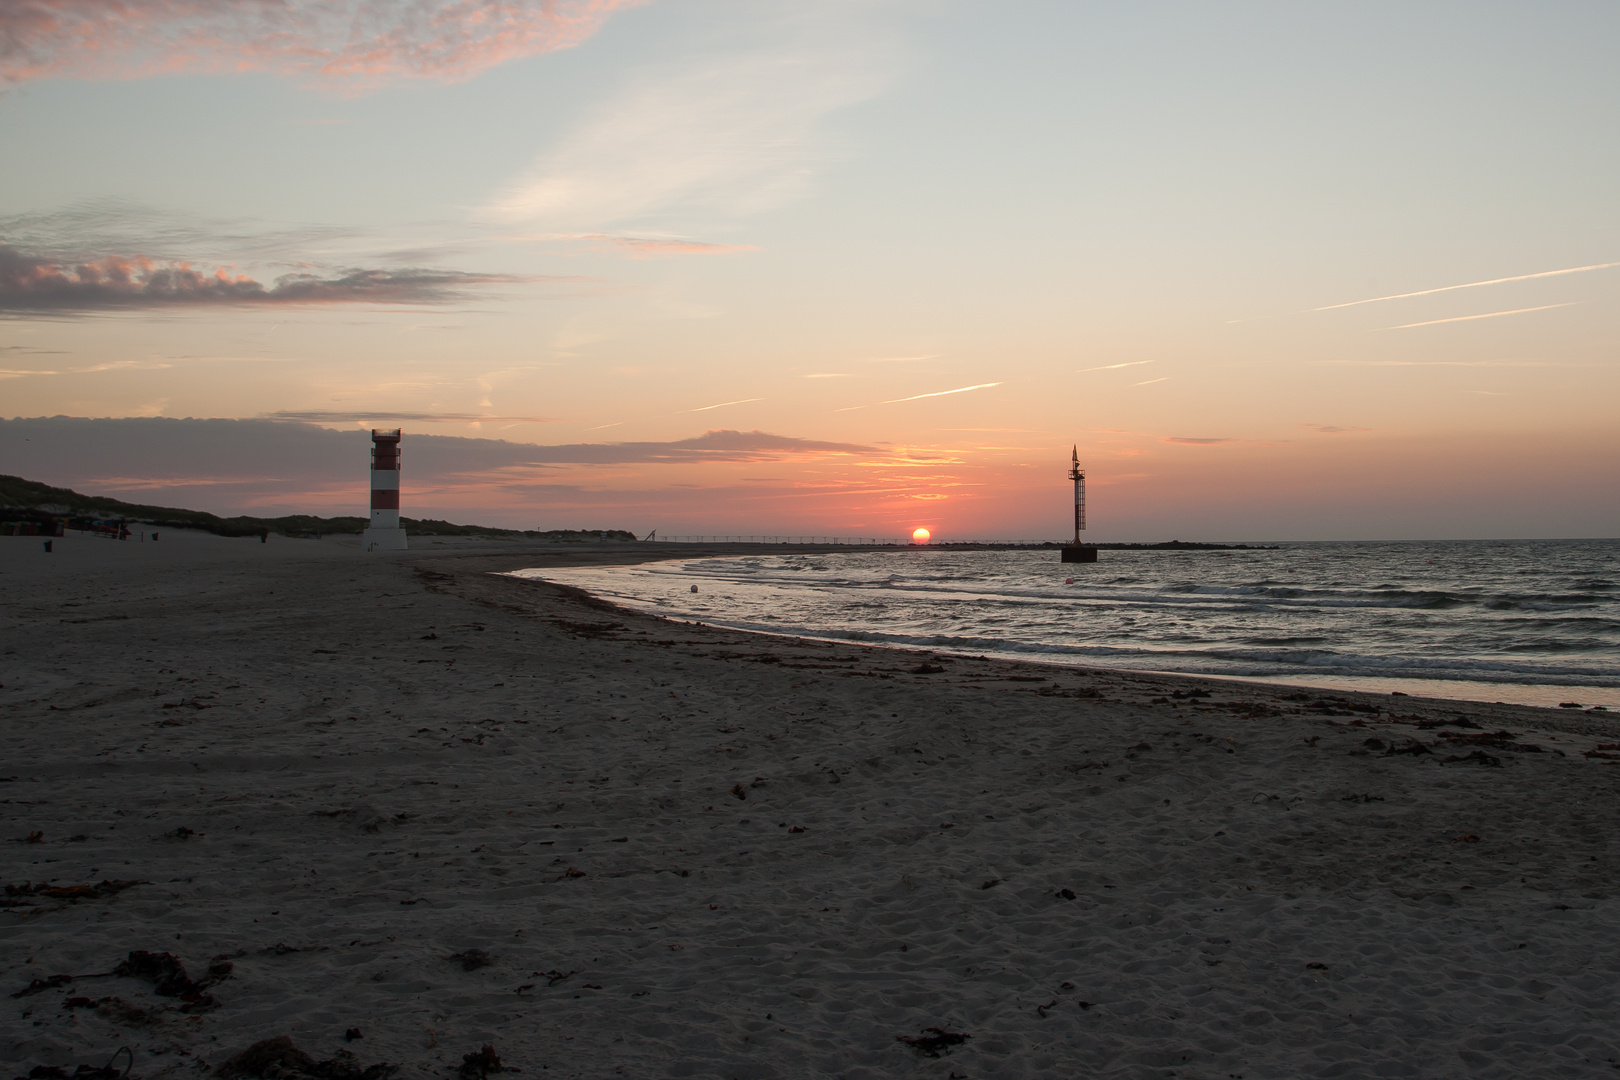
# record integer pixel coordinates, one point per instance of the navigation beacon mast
(1078, 551)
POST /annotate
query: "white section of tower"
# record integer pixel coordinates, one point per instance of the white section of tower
(384, 533)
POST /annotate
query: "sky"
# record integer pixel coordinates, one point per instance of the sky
(1280, 271)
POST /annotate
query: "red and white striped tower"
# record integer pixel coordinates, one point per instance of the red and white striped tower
(384, 533)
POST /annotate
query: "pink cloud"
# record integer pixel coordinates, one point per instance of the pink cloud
(649, 248)
(348, 43)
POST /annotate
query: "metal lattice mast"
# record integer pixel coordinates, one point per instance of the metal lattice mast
(1078, 475)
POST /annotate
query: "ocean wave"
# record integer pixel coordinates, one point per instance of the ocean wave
(1483, 612)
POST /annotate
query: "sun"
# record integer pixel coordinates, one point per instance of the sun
(919, 535)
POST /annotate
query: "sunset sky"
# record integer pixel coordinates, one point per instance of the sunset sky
(1281, 271)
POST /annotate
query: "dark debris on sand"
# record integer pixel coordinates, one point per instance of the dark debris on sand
(472, 959)
(280, 1059)
(98, 891)
(480, 1065)
(109, 1071)
(169, 978)
(934, 1041)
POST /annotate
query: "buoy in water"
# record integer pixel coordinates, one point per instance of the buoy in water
(694, 588)
(1068, 581)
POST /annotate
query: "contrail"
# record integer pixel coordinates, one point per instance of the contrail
(941, 393)
(919, 397)
(1111, 367)
(1150, 382)
(1471, 285)
(1487, 315)
(723, 404)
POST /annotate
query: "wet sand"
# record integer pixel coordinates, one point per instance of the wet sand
(445, 808)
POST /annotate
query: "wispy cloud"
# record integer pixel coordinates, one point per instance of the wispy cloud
(1443, 363)
(1471, 318)
(919, 397)
(723, 404)
(350, 44)
(330, 416)
(902, 359)
(735, 134)
(32, 284)
(1471, 285)
(1330, 429)
(90, 227)
(1111, 367)
(828, 375)
(653, 247)
(270, 453)
(1187, 441)
(1150, 382)
(93, 369)
(635, 247)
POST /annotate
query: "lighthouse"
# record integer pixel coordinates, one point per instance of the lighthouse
(384, 533)
(1078, 551)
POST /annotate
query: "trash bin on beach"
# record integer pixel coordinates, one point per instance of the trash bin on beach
(47, 547)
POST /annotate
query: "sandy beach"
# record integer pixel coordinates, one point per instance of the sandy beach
(400, 807)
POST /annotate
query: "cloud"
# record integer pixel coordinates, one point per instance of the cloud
(919, 397)
(114, 282)
(270, 451)
(354, 44)
(1111, 367)
(637, 247)
(317, 416)
(110, 365)
(1443, 363)
(941, 393)
(723, 404)
(717, 445)
(86, 228)
(1185, 441)
(652, 247)
(736, 134)
(1329, 429)
(1470, 285)
(1471, 318)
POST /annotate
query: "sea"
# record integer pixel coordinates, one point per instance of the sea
(1527, 622)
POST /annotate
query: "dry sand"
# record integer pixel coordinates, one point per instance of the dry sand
(691, 852)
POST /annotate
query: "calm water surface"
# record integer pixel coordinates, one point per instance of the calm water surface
(1531, 622)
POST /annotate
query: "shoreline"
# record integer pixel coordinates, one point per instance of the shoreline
(1481, 691)
(406, 796)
